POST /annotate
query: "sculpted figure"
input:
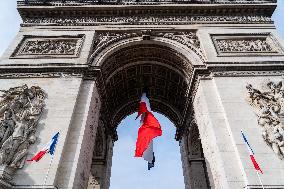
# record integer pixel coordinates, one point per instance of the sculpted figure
(20, 110)
(10, 126)
(6, 126)
(277, 142)
(22, 152)
(10, 146)
(269, 107)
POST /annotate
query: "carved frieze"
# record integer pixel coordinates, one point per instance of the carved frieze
(268, 105)
(145, 20)
(187, 38)
(55, 47)
(134, 2)
(246, 45)
(105, 39)
(20, 110)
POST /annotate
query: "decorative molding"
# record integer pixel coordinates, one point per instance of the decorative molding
(134, 2)
(186, 38)
(145, 20)
(260, 44)
(42, 75)
(268, 105)
(240, 73)
(104, 39)
(49, 47)
(20, 110)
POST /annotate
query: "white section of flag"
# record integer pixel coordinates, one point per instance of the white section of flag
(148, 154)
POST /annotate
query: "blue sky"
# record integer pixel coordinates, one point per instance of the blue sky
(128, 171)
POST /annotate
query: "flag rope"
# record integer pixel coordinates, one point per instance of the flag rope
(46, 176)
(259, 179)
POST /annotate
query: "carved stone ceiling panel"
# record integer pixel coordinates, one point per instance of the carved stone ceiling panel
(127, 71)
(146, 53)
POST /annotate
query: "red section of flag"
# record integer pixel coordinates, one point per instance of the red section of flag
(148, 130)
(142, 109)
(255, 164)
(39, 155)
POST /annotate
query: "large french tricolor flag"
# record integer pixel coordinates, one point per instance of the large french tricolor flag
(251, 154)
(149, 129)
(49, 148)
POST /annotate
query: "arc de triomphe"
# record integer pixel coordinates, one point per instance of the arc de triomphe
(213, 67)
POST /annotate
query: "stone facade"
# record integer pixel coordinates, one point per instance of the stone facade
(91, 60)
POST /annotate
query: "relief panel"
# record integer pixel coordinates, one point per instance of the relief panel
(261, 44)
(49, 47)
(20, 110)
(268, 105)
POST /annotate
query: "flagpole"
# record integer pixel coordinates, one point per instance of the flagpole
(259, 179)
(46, 176)
(50, 163)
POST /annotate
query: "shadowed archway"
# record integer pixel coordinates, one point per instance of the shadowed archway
(126, 67)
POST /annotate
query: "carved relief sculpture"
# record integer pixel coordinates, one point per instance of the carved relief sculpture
(50, 47)
(187, 38)
(20, 110)
(37, 46)
(269, 108)
(246, 45)
(145, 20)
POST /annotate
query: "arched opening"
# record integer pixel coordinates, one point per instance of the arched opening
(126, 68)
(134, 171)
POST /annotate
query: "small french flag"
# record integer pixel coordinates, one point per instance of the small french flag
(49, 148)
(251, 154)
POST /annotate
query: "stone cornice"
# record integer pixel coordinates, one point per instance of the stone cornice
(135, 2)
(40, 71)
(104, 13)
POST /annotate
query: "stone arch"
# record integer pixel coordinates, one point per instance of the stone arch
(163, 62)
(186, 43)
(146, 58)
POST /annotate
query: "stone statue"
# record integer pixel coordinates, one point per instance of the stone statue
(269, 107)
(6, 126)
(20, 110)
(22, 152)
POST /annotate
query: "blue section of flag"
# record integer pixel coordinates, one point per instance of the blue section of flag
(245, 139)
(151, 164)
(53, 144)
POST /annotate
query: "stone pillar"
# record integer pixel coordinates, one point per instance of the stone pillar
(217, 145)
(194, 166)
(61, 107)
(102, 160)
(77, 157)
(222, 111)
